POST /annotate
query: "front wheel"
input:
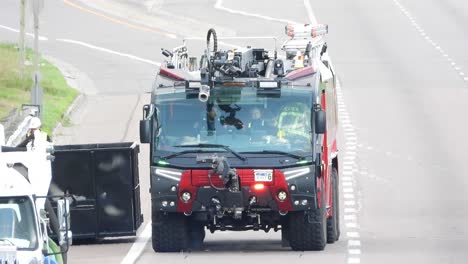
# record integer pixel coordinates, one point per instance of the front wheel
(170, 232)
(308, 230)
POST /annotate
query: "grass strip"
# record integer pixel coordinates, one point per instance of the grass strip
(14, 90)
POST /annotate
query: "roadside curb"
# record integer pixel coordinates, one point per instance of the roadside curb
(77, 80)
(74, 105)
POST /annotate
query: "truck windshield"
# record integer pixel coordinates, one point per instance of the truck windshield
(17, 223)
(237, 117)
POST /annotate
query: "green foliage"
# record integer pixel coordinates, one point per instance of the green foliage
(15, 90)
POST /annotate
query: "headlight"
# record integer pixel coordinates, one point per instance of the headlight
(186, 196)
(282, 195)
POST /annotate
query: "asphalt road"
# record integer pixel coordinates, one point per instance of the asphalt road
(403, 68)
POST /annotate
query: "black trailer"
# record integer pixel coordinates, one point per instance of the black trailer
(103, 182)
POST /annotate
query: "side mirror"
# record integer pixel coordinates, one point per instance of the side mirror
(320, 122)
(145, 131)
(63, 215)
(145, 124)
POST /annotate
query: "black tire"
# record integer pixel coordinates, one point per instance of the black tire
(333, 222)
(170, 232)
(197, 235)
(308, 230)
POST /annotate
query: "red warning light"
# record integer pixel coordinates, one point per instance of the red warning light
(259, 186)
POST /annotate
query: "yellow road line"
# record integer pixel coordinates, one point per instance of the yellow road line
(118, 21)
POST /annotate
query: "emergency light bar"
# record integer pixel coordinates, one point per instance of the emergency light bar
(306, 30)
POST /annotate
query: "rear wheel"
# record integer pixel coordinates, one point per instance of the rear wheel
(333, 222)
(308, 230)
(170, 232)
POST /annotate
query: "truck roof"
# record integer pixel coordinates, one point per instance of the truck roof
(301, 59)
(13, 183)
(25, 172)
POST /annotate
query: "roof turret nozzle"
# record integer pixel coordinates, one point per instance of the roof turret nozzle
(204, 93)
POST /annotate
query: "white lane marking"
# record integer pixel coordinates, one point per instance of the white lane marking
(310, 12)
(347, 178)
(350, 225)
(350, 217)
(219, 5)
(354, 260)
(28, 34)
(354, 251)
(133, 57)
(354, 243)
(352, 234)
(138, 246)
(437, 47)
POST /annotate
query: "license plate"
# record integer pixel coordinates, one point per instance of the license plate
(263, 175)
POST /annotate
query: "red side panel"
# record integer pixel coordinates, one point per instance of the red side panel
(325, 158)
(300, 73)
(185, 185)
(173, 74)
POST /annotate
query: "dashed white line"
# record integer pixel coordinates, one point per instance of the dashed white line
(351, 225)
(354, 243)
(350, 210)
(354, 260)
(354, 251)
(347, 178)
(349, 217)
(413, 21)
(352, 234)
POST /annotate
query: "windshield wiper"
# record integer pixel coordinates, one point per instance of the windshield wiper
(289, 154)
(203, 145)
(173, 155)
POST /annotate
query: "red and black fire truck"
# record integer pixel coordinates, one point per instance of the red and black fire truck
(245, 139)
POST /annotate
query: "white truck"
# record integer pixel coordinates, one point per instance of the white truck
(26, 213)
